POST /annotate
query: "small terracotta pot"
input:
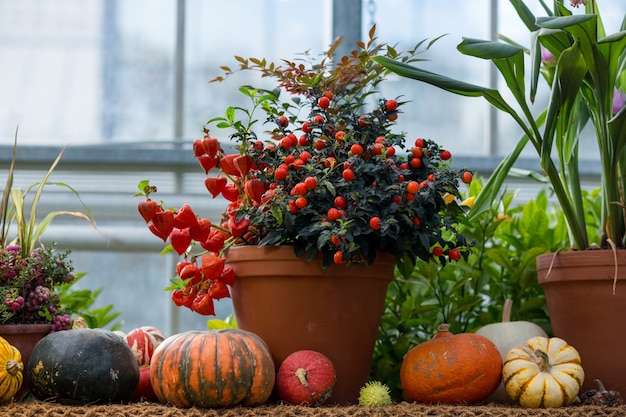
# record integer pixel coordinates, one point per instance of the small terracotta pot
(293, 304)
(587, 312)
(24, 337)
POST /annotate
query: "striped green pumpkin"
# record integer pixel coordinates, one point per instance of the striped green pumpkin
(213, 369)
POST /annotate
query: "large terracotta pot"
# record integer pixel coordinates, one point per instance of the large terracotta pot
(587, 312)
(24, 337)
(293, 304)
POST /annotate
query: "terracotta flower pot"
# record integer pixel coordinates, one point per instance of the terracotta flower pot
(24, 337)
(586, 312)
(293, 304)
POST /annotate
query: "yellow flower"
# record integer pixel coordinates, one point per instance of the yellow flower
(468, 202)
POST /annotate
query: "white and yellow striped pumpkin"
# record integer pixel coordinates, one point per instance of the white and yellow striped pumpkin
(11, 368)
(543, 372)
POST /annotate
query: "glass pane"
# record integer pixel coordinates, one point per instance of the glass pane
(218, 30)
(86, 72)
(455, 122)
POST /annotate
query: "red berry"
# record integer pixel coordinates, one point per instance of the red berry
(391, 151)
(412, 187)
(392, 117)
(328, 94)
(454, 254)
(375, 223)
(301, 202)
(467, 177)
(420, 143)
(338, 258)
(306, 127)
(310, 182)
(356, 149)
(416, 163)
(283, 121)
(378, 149)
(280, 174)
(305, 156)
(333, 214)
(340, 202)
(293, 209)
(348, 174)
(318, 119)
(320, 144)
(437, 251)
(303, 140)
(300, 188)
(330, 162)
(323, 102)
(341, 135)
(391, 105)
(445, 155)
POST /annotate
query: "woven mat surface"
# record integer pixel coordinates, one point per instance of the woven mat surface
(41, 409)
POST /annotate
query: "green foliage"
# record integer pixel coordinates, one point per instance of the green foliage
(13, 209)
(470, 294)
(80, 303)
(586, 71)
(229, 322)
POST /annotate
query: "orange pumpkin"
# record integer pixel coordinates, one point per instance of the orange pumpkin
(451, 369)
(212, 368)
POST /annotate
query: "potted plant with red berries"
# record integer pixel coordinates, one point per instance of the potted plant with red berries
(323, 187)
(30, 273)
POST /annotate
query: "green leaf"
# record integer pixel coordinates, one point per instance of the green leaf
(216, 324)
(500, 257)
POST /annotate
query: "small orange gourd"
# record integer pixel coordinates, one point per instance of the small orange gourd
(11, 368)
(451, 369)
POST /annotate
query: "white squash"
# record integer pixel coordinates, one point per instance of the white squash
(506, 335)
(543, 372)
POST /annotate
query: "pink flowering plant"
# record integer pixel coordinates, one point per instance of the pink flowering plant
(31, 273)
(585, 72)
(317, 164)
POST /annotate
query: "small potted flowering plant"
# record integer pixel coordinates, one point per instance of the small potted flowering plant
(30, 273)
(323, 175)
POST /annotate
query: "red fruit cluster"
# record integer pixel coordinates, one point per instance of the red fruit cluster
(203, 284)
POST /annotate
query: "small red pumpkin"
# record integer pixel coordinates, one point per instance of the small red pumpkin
(451, 369)
(158, 335)
(305, 377)
(144, 390)
(213, 368)
(142, 344)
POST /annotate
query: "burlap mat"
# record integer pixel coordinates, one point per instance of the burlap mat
(41, 409)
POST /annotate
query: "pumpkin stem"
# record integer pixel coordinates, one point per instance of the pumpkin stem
(79, 323)
(542, 360)
(599, 384)
(443, 327)
(301, 377)
(506, 310)
(13, 367)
